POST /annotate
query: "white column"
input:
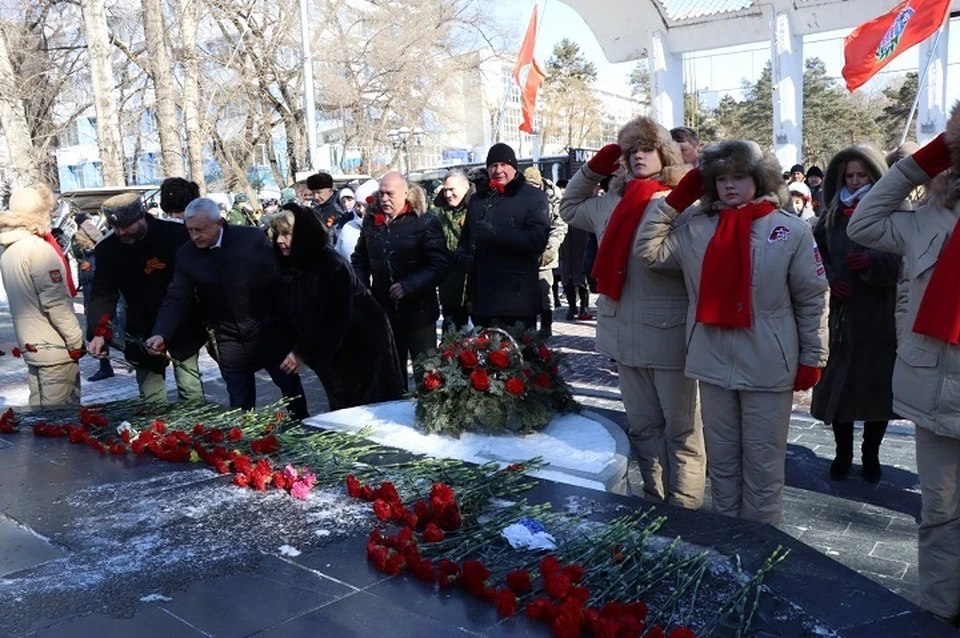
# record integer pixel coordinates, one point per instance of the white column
(666, 82)
(787, 65)
(309, 97)
(932, 108)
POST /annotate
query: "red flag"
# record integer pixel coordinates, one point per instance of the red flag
(875, 44)
(528, 75)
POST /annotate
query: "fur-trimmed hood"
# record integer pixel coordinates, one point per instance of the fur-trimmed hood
(30, 210)
(644, 132)
(872, 159)
(744, 157)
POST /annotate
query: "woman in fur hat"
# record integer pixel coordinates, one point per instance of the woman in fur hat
(642, 312)
(37, 280)
(926, 389)
(863, 335)
(755, 331)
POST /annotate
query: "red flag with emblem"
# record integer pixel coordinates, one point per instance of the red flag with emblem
(873, 45)
(528, 75)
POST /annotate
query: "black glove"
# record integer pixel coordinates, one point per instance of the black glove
(484, 232)
(465, 262)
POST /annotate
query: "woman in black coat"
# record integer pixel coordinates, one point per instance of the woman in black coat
(342, 333)
(856, 384)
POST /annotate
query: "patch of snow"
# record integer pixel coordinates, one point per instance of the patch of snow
(287, 550)
(155, 598)
(323, 532)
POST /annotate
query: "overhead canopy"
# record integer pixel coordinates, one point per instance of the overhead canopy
(622, 27)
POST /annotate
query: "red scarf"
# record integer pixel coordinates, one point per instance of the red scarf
(610, 267)
(725, 276)
(939, 313)
(50, 239)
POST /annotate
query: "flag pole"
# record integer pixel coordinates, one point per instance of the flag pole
(536, 136)
(921, 83)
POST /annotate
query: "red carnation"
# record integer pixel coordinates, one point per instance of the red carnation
(198, 429)
(432, 534)
(480, 380)
(515, 386)
(506, 602)
(29, 347)
(518, 581)
(16, 352)
(550, 565)
(432, 381)
(381, 509)
(235, 434)
(566, 627)
(496, 186)
(574, 573)
(499, 359)
(448, 355)
(441, 494)
(353, 486)
(556, 585)
(216, 436)
(76, 353)
(541, 609)
(544, 354)
(482, 342)
(379, 219)
(541, 380)
(240, 480)
(468, 359)
(682, 632)
(370, 199)
(655, 632)
(450, 518)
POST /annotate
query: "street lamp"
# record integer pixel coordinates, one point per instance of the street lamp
(400, 140)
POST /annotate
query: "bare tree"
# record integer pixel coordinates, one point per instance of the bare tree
(189, 20)
(13, 118)
(161, 72)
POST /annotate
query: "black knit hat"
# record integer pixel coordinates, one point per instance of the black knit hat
(501, 153)
(815, 171)
(796, 168)
(319, 181)
(124, 209)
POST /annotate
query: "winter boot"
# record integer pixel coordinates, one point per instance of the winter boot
(546, 324)
(556, 294)
(873, 432)
(843, 435)
(570, 292)
(585, 314)
(105, 371)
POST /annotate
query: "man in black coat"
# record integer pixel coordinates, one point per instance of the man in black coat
(404, 253)
(501, 243)
(232, 273)
(137, 261)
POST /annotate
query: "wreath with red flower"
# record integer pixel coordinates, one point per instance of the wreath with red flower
(491, 382)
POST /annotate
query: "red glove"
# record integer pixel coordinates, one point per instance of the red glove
(807, 377)
(857, 260)
(607, 160)
(841, 288)
(934, 158)
(688, 191)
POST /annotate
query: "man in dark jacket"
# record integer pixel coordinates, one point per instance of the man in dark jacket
(232, 273)
(505, 234)
(815, 182)
(325, 207)
(403, 252)
(137, 261)
(450, 207)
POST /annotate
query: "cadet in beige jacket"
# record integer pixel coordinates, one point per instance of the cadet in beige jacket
(36, 279)
(642, 312)
(755, 324)
(926, 375)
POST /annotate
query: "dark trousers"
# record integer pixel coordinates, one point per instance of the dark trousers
(412, 343)
(455, 316)
(506, 322)
(242, 387)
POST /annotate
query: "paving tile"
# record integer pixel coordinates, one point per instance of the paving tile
(22, 549)
(452, 608)
(343, 561)
(910, 624)
(149, 622)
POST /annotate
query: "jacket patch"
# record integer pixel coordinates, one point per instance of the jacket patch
(56, 276)
(821, 271)
(780, 233)
(152, 265)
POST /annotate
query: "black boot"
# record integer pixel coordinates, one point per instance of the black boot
(546, 324)
(556, 294)
(843, 435)
(570, 292)
(873, 432)
(105, 371)
(585, 313)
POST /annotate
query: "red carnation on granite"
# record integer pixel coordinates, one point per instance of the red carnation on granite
(519, 581)
(235, 434)
(506, 602)
(433, 534)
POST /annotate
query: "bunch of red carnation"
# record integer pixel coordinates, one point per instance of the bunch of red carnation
(8, 422)
(433, 516)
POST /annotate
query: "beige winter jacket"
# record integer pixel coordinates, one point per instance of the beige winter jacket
(40, 304)
(926, 376)
(789, 296)
(645, 328)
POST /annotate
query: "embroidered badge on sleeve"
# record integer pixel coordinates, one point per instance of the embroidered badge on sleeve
(56, 276)
(780, 233)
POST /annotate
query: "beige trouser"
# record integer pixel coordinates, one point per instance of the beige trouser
(746, 435)
(54, 385)
(665, 433)
(938, 464)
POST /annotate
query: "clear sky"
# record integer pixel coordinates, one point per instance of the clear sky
(721, 71)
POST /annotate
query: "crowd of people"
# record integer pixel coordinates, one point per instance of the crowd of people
(724, 286)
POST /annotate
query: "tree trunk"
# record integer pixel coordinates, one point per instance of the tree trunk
(161, 72)
(13, 119)
(191, 91)
(101, 74)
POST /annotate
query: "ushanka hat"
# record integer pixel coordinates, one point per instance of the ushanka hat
(319, 181)
(124, 209)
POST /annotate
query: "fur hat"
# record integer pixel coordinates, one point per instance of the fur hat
(319, 181)
(29, 210)
(533, 176)
(501, 153)
(176, 193)
(833, 182)
(123, 209)
(743, 157)
(644, 132)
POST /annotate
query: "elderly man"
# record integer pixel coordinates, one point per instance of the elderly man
(689, 143)
(37, 281)
(325, 207)
(402, 255)
(232, 273)
(450, 207)
(137, 260)
(550, 258)
(504, 236)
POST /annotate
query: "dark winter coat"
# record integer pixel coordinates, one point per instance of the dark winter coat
(409, 250)
(142, 272)
(817, 203)
(240, 295)
(856, 383)
(453, 289)
(572, 251)
(505, 277)
(341, 331)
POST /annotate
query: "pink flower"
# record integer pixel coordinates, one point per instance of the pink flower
(309, 478)
(291, 472)
(300, 490)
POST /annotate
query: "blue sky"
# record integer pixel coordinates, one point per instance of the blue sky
(718, 70)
